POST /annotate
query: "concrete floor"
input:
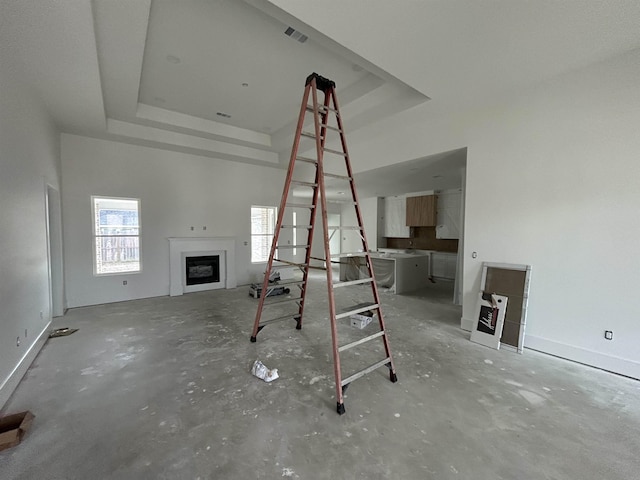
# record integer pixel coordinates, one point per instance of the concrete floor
(160, 389)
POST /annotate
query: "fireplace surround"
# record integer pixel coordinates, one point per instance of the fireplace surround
(182, 248)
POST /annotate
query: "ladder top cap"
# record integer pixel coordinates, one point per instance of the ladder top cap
(322, 83)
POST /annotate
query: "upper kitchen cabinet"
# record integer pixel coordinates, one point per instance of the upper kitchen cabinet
(421, 211)
(395, 213)
(449, 215)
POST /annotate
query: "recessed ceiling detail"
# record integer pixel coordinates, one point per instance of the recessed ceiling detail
(206, 103)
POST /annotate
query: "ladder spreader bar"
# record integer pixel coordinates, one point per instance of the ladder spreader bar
(282, 247)
(308, 227)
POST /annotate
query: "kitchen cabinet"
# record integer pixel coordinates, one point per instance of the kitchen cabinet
(421, 211)
(395, 213)
(443, 265)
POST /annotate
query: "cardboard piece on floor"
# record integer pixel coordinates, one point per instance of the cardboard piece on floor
(62, 332)
(13, 428)
(489, 319)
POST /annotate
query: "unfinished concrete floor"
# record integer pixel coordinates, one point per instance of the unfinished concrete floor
(161, 389)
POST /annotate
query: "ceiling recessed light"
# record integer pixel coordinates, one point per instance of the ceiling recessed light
(173, 59)
(437, 176)
(245, 84)
(223, 115)
(340, 193)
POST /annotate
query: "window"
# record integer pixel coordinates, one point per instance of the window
(263, 225)
(116, 231)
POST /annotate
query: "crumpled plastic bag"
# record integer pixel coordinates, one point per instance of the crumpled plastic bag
(261, 371)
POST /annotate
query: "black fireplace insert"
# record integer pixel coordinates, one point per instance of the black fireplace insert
(205, 269)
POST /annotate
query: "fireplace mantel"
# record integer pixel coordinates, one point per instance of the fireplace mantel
(179, 246)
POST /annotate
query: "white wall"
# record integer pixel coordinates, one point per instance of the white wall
(29, 159)
(176, 191)
(552, 181)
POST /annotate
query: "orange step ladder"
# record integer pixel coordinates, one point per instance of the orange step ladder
(326, 122)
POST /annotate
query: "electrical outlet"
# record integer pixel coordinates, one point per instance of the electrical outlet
(17, 341)
(608, 334)
(124, 282)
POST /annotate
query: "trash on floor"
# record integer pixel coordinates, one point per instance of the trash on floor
(62, 332)
(13, 428)
(261, 371)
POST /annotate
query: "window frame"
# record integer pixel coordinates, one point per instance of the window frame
(272, 235)
(95, 235)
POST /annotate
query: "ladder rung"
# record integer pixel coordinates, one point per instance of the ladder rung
(308, 160)
(343, 202)
(364, 308)
(277, 319)
(335, 152)
(345, 228)
(335, 129)
(280, 301)
(362, 340)
(361, 373)
(308, 227)
(299, 205)
(333, 175)
(353, 282)
(281, 247)
(304, 184)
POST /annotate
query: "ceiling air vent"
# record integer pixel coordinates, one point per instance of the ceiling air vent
(296, 35)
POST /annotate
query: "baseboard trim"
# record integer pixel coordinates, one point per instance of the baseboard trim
(610, 363)
(11, 382)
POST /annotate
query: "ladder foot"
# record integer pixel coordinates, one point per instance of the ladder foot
(340, 408)
(298, 324)
(253, 339)
(393, 377)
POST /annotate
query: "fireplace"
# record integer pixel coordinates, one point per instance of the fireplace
(202, 269)
(201, 263)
